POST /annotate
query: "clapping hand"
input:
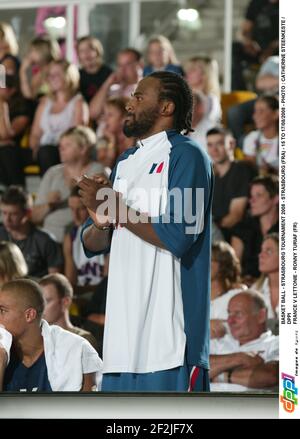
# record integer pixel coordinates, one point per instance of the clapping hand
(92, 198)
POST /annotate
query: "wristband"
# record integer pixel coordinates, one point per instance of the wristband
(101, 227)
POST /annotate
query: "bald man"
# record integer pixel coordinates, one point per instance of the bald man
(36, 357)
(248, 356)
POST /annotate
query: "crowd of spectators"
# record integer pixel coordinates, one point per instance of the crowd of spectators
(68, 119)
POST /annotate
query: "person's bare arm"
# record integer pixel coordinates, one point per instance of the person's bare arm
(9, 129)
(81, 113)
(226, 362)
(258, 377)
(5, 127)
(143, 229)
(267, 83)
(36, 130)
(70, 269)
(19, 124)
(30, 84)
(238, 246)
(96, 105)
(89, 382)
(223, 363)
(236, 212)
(217, 328)
(40, 211)
(24, 81)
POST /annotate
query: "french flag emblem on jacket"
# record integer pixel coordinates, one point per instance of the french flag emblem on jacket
(156, 168)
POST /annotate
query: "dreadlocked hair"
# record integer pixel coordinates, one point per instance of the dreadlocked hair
(174, 88)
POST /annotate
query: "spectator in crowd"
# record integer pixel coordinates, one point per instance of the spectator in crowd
(261, 147)
(58, 295)
(225, 283)
(35, 66)
(15, 118)
(64, 108)
(160, 55)
(9, 48)
(38, 357)
(42, 254)
(12, 262)
(258, 39)
(106, 154)
(248, 356)
(120, 83)
(201, 124)
(111, 127)
(268, 283)
(202, 75)
(261, 220)
(93, 71)
(51, 204)
(83, 273)
(241, 115)
(232, 179)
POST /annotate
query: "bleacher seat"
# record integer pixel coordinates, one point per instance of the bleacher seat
(30, 169)
(234, 98)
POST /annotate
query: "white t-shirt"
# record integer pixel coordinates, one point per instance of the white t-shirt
(265, 150)
(89, 270)
(266, 346)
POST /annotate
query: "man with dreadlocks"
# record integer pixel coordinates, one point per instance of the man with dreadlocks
(157, 312)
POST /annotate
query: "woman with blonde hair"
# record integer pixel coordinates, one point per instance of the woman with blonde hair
(202, 74)
(51, 205)
(160, 55)
(34, 68)
(62, 109)
(12, 263)
(93, 71)
(8, 48)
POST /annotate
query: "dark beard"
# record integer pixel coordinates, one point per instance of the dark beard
(140, 128)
